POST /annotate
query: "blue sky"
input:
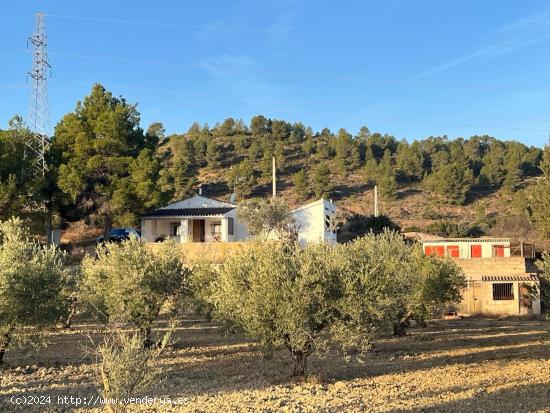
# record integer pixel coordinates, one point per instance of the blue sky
(411, 69)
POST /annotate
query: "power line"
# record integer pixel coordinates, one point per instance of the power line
(10, 19)
(122, 60)
(310, 76)
(173, 25)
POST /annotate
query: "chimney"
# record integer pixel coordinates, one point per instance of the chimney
(200, 189)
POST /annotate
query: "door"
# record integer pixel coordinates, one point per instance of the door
(475, 251)
(498, 251)
(476, 294)
(198, 230)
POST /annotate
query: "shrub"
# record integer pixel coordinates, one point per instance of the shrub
(358, 225)
(124, 368)
(31, 285)
(129, 283)
(456, 230)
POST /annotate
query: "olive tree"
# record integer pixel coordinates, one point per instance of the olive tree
(544, 276)
(285, 295)
(129, 283)
(31, 285)
(124, 368)
(396, 281)
(267, 217)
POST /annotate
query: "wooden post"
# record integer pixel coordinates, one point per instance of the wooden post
(521, 248)
(376, 201)
(274, 178)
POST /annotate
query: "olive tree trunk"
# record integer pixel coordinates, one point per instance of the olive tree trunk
(299, 361)
(299, 358)
(72, 311)
(5, 342)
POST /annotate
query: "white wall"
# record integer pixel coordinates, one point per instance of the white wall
(311, 222)
(240, 233)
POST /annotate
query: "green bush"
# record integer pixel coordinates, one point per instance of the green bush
(358, 225)
(307, 298)
(31, 285)
(129, 283)
(283, 295)
(393, 282)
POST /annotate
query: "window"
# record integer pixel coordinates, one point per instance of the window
(174, 229)
(216, 231)
(498, 251)
(453, 251)
(438, 250)
(503, 291)
(475, 251)
(230, 226)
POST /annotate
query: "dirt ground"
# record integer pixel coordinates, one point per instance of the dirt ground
(451, 366)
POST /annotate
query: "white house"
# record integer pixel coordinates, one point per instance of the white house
(202, 219)
(315, 222)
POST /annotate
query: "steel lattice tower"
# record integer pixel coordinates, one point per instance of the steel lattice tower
(39, 112)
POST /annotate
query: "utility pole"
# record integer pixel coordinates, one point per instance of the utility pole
(274, 168)
(376, 212)
(39, 112)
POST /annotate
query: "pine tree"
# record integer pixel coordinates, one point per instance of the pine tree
(343, 144)
(545, 162)
(213, 154)
(308, 147)
(453, 181)
(512, 164)
(493, 172)
(194, 130)
(539, 196)
(260, 126)
(280, 130)
(371, 167)
(98, 143)
(322, 184)
(242, 178)
(387, 180)
(267, 164)
(301, 184)
(254, 150)
(410, 161)
(280, 156)
(298, 133)
(355, 155)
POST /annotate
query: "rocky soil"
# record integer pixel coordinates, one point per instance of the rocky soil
(451, 366)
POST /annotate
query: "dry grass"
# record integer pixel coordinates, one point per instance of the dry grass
(458, 366)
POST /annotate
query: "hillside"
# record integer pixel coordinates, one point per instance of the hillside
(105, 170)
(485, 210)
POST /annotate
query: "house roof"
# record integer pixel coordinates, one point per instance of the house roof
(199, 201)
(188, 212)
(509, 278)
(476, 240)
